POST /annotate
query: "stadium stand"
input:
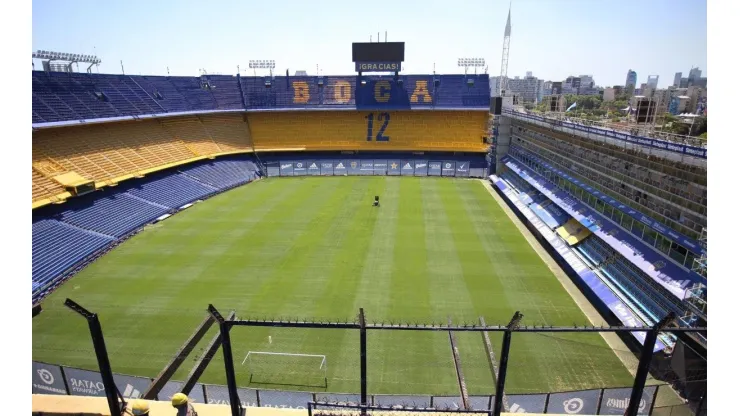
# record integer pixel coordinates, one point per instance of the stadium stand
(171, 190)
(349, 130)
(57, 246)
(95, 214)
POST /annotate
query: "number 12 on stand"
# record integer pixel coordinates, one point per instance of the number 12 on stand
(385, 117)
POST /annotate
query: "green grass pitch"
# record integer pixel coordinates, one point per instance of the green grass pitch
(316, 248)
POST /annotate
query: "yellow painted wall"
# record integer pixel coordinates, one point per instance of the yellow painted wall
(348, 130)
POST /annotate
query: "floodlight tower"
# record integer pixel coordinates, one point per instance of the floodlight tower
(262, 64)
(471, 62)
(505, 54)
(48, 57)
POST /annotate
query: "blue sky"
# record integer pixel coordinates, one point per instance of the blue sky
(553, 39)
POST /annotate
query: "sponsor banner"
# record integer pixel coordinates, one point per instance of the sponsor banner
(327, 168)
(286, 168)
(338, 398)
(299, 168)
(220, 395)
(273, 168)
(526, 403)
(397, 400)
(340, 167)
(421, 167)
(380, 167)
(285, 399)
(47, 379)
(615, 401)
(313, 168)
(353, 167)
(435, 168)
(394, 167)
(599, 288)
(84, 382)
(366, 167)
(448, 168)
(463, 169)
(131, 387)
(407, 167)
(172, 387)
(584, 402)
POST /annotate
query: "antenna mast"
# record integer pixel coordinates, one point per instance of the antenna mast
(505, 54)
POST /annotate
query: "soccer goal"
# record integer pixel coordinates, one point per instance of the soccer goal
(286, 368)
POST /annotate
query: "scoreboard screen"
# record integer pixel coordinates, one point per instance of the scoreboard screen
(378, 52)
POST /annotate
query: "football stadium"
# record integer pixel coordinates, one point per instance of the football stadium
(376, 239)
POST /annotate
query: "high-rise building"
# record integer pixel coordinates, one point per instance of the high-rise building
(631, 82)
(694, 75)
(677, 79)
(652, 81)
(529, 88)
(587, 81)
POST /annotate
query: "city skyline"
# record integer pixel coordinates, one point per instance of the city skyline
(181, 36)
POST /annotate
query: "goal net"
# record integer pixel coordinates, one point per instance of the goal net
(286, 368)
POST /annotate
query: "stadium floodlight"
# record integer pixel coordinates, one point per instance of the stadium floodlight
(63, 56)
(471, 63)
(262, 64)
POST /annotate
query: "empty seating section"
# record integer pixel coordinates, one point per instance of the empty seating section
(111, 152)
(222, 174)
(172, 190)
(58, 246)
(655, 301)
(129, 214)
(349, 130)
(59, 96)
(65, 235)
(193, 135)
(43, 187)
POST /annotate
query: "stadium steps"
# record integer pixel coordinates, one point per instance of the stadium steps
(148, 201)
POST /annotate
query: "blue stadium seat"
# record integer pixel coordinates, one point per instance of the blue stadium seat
(57, 247)
(115, 215)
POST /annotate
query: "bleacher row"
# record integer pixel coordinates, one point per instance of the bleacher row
(112, 152)
(65, 236)
(59, 96)
(647, 299)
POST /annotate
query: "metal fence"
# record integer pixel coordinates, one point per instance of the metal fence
(638, 399)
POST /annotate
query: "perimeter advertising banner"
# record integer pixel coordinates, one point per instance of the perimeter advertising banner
(615, 401)
(327, 168)
(299, 168)
(286, 168)
(285, 399)
(380, 167)
(354, 167)
(84, 383)
(463, 169)
(340, 167)
(407, 167)
(367, 167)
(47, 379)
(585, 402)
(220, 395)
(394, 167)
(131, 387)
(527, 403)
(420, 168)
(313, 168)
(435, 168)
(448, 168)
